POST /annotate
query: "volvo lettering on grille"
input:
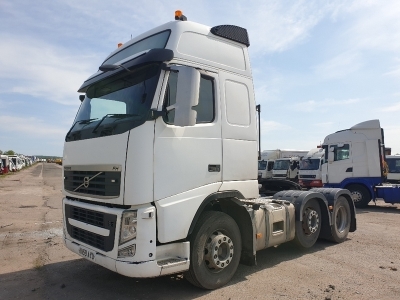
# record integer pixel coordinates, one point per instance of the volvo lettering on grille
(86, 181)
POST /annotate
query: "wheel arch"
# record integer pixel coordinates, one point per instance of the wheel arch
(368, 182)
(332, 194)
(228, 202)
(300, 198)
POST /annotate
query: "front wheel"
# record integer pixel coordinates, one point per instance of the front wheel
(307, 230)
(215, 247)
(341, 218)
(360, 195)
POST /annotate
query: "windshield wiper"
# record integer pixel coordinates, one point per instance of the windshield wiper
(80, 122)
(119, 116)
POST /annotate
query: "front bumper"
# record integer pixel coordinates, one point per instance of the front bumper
(310, 183)
(166, 263)
(148, 260)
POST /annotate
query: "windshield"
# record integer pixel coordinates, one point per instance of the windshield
(309, 164)
(262, 165)
(281, 165)
(115, 105)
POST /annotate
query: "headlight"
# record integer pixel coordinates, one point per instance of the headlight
(128, 226)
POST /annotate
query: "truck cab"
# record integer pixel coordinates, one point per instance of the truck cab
(310, 168)
(160, 163)
(355, 159)
(286, 168)
(393, 162)
(266, 163)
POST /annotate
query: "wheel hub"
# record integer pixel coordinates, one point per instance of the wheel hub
(219, 251)
(356, 196)
(310, 221)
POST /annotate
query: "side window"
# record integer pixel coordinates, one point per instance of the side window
(270, 165)
(342, 153)
(205, 108)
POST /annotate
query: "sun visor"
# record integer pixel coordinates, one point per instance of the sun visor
(153, 55)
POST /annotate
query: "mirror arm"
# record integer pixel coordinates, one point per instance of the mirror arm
(154, 114)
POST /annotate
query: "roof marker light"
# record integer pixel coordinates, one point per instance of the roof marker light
(180, 16)
(120, 45)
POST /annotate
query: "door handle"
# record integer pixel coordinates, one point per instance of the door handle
(214, 168)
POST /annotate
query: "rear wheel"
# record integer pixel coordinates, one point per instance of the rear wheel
(307, 230)
(341, 217)
(360, 195)
(216, 248)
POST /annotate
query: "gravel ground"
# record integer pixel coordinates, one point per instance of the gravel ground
(35, 263)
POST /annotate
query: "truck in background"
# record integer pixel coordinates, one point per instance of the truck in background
(6, 163)
(355, 160)
(310, 168)
(17, 162)
(267, 160)
(393, 162)
(160, 163)
(287, 166)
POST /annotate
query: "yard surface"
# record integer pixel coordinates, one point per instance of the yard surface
(35, 264)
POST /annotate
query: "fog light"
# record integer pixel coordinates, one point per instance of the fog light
(127, 252)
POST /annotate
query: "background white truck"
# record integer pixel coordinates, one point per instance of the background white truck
(356, 158)
(287, 166)
(393, 162)
(160, 164)
(310, 168)
(268, 157)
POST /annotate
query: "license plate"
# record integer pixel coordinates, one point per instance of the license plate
(86, 253)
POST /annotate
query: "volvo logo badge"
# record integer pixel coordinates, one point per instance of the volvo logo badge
(86, 182)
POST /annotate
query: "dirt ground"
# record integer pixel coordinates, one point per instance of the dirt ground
(35, 264)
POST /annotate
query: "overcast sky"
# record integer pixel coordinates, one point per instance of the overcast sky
(318, 66)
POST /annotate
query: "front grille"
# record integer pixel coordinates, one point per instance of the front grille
(95, 218)
(89, 238)
(306, 176)
(88, 216)
(106, 184)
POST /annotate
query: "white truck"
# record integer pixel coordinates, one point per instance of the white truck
(180, 95)
(287, 166)
(268, 157)
(356, 158)
(393, 162)
(17, 161)
(266, 163)
(310, 168)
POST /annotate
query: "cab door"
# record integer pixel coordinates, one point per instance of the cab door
(339, 165)
(188, 157)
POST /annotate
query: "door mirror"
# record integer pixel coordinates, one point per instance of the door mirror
(187, 96)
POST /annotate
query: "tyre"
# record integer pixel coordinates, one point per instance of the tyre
(341, 218)
(360, 195)
(307, 230)
(215, 250)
